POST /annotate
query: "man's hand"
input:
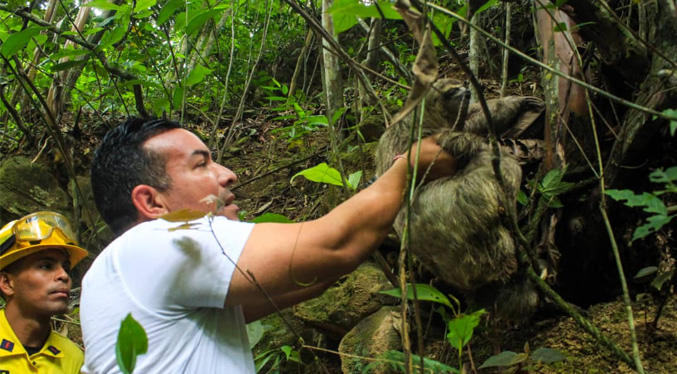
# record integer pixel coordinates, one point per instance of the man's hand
(441, 163)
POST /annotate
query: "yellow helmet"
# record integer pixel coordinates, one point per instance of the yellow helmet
(36, 232)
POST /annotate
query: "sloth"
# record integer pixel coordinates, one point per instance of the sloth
(456, 223)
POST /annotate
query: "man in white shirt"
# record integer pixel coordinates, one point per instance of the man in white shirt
(188, 285)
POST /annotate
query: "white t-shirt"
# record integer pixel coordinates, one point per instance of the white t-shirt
(174, 282)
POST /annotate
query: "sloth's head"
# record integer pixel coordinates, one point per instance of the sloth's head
(449, 99)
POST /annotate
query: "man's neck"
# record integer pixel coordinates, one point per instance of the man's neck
(32, 331)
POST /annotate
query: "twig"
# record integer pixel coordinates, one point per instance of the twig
(278, 169)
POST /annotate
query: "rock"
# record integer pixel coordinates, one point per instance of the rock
(372, 337)
(27, 187)
(342, 306)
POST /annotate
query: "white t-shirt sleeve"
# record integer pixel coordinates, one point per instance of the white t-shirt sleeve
(169, 266)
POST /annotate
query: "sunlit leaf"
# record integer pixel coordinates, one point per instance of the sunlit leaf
(354, 179)
(462, 327)
(142, 5)
(199, 20)
(168, 10)
(132, 342)
(112, 36)
(424, 292)
(321, 173)
(271, 217)
(103, 4)
(197, 75)
(15, 42)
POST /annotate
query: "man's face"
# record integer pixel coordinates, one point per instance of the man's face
(39, 284)
(194, 176)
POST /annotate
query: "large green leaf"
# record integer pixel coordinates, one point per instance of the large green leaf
(505, 358)
(321, 173)
(654, 223)
(664, 176)
(197, 75)
(142, 5)
(255, 332)
(132, 342)
(423, 292)
(103, 4)
(199, 20)
(168, 10)
(346, 12)
(651, 203)
(16, 41)
(462, 327)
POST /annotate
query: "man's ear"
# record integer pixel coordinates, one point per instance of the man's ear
(148, 202)
(6, 284)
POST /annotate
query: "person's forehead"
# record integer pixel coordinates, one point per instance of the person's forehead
(56, 253)
(176, 143)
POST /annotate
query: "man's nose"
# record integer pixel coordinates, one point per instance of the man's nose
(226, 176)
(62, 274)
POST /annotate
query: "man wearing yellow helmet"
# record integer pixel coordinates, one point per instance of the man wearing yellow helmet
(36, 255)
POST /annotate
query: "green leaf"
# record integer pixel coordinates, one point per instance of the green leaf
(103, 4)
(18, 40)
(199, 20)
(547, 355)
(321, 173)
(271, 217)
(142, 5)
(197, 75)
(177, 99)
(522, 197)
(653, 224)
(112, 36)
(667, 176)
(423, 292)
(658, 282)
(358, 8)
(505, 358)
(552, 184)
(645, 271)
(354, 179)
(462, 327)
(673, 123)
(345, 12)
(168, 10)
(255, 332)
(132, 342)
(67, 65)
(160, 106)
(397, 359)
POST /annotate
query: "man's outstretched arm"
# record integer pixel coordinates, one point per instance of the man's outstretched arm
(286, 258)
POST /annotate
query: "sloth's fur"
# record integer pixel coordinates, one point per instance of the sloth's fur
(457, 228)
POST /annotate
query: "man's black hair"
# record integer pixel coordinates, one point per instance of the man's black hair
(121, 163)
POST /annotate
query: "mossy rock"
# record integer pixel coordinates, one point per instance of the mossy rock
(371, 338)
(27, 187)
(352, 299)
